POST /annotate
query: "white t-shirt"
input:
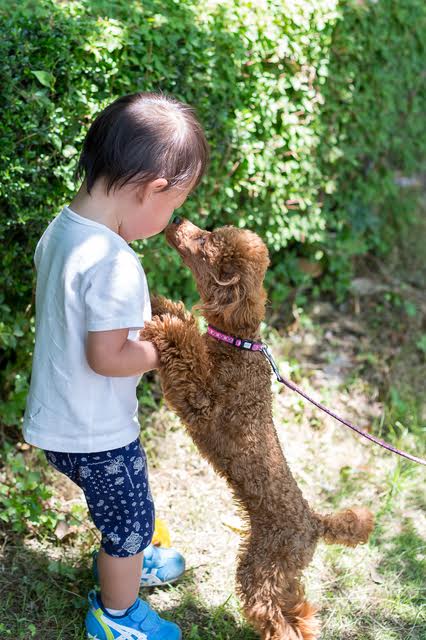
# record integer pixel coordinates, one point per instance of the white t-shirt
(88, 279)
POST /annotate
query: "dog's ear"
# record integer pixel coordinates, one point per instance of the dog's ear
(237, 299)
(237, 302)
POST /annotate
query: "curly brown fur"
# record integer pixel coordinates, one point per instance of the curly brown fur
(223, 395)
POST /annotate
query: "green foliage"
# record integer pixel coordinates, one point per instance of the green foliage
(403, 416)
(22, 494)
(309, 107)
(421, 344)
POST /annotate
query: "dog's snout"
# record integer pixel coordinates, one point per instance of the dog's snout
(177, 220)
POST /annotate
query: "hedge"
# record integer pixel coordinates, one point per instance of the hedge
(309, 108)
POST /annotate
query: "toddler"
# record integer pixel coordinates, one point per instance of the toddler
(141, 158)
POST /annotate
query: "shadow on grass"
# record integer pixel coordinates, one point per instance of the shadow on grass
(199, 622)
(395, 610)
(45, 599)
(406, 559)
(42, 599)
(375, 626)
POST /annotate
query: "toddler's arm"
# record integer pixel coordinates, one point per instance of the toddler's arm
(111, 354)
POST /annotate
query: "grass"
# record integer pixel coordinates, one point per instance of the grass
(367, 365)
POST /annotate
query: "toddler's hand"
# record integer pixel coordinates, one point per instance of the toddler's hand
(151, 350)
(153, 333)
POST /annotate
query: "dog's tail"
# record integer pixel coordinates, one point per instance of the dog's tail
(350, 527)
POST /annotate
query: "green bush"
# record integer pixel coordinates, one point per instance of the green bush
(309, 107)
(23, 495)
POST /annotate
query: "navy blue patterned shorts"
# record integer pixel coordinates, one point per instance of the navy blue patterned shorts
(116, 488)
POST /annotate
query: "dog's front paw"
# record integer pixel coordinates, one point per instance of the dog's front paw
(163, 331)
(161, 305)
(152, 330)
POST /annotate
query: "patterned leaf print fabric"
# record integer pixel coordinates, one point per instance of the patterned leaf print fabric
(116, 487)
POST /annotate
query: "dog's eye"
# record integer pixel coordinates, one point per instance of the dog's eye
(202, 240)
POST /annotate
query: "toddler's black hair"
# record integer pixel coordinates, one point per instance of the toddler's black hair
(141, 137)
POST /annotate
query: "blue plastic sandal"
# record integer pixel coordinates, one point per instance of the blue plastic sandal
(161, 566)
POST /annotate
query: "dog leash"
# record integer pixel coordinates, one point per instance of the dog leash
(250, 345)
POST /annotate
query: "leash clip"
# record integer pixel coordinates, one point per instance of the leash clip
(268, 355)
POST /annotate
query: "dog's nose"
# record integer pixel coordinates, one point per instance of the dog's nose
(177, 220)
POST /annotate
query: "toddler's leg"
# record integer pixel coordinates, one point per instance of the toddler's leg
(116, 487)
(119, 579)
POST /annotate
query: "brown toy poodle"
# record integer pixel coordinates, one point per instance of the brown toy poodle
(223, 396)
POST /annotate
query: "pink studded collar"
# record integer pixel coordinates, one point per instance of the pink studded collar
(241, 343)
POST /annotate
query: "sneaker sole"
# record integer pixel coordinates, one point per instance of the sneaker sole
(90, 637)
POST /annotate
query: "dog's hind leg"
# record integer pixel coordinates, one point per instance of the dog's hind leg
(273, 599)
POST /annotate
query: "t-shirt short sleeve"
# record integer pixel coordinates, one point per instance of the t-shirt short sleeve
(116, 296)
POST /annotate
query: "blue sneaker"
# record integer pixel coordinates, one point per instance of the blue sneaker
(160, 566)
(139, 622)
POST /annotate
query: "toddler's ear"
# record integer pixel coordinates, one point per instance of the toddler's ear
(146, 190)
(158, 184)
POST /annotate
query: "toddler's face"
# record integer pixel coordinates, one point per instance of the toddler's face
(149, 211)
